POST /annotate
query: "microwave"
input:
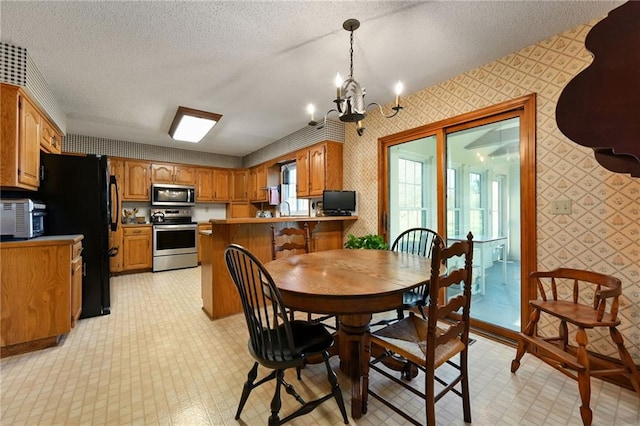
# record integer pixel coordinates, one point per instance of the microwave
(22, 218)
(163, 194)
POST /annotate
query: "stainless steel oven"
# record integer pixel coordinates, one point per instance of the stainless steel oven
(175, 244)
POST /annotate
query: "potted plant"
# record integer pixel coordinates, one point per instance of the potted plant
(372, 242)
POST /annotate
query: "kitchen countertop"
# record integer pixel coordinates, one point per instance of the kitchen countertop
(248, 220)
(44, 241)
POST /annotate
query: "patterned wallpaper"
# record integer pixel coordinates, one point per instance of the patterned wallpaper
(17, 68)
(117, 148)
(333, 130)
(603, 232)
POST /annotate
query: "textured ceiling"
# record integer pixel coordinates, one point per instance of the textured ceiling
(120, 69)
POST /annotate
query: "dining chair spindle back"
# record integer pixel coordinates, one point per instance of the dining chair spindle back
(275, 342)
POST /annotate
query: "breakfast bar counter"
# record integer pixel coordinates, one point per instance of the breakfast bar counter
(219, 296)
(308, 219)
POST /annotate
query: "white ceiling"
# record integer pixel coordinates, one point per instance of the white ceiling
(120, 69)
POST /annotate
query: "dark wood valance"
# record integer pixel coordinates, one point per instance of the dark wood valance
(600, 107)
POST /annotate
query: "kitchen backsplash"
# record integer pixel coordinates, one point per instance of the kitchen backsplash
(202, 212)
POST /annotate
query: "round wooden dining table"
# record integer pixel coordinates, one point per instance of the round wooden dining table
(352, 284)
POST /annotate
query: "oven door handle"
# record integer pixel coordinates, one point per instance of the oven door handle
(177, 226)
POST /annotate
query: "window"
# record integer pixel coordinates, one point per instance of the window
(410, 193)
(496, 209)
(297, 207)
(476, 205)
(453, 203)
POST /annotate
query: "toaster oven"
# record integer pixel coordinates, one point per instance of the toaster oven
(21, 218)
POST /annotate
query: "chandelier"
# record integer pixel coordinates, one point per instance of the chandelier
(349, 100)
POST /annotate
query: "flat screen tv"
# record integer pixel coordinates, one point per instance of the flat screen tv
(338, 202)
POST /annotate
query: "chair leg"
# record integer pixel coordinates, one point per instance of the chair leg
(584, 378)
(400, 313)
(464, 371)
(421, 309)
(522, 346)
(430, 395)
(335, 389)
(634, 376)
(248, 387)
(276, 402)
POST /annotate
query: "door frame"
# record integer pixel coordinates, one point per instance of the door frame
(523, 107)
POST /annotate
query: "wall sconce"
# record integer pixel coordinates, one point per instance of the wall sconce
(191, 125)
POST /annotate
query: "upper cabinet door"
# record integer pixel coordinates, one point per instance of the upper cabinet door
(221, 178)
(29, 144)
(184, 175)
(162, 173)
(317, 170)
(204, 184)
(240, 190)
(258, 183)
(51, 140)
(302, 176)
(136, 180)
(170, 173)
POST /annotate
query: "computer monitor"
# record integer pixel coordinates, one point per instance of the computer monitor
(338, 202)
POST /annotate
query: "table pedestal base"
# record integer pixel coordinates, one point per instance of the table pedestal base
(354, 348)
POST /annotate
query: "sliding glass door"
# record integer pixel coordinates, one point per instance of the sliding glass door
(412, 183)
(473, 173)
(483, 197)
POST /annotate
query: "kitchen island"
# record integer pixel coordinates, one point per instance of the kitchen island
(219, 296)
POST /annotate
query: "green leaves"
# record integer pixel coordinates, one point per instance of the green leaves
(372, 242)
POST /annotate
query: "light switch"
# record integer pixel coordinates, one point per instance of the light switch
(561, 207)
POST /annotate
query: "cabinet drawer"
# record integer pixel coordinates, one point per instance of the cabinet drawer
(76, 250)
(137, 231)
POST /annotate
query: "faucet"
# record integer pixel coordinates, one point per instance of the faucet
(285, 209)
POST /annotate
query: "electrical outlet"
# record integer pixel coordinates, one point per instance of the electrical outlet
(561, 207)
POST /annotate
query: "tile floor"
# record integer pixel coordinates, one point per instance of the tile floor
(157, 359)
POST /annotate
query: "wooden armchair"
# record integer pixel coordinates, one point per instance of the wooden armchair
(557, 351)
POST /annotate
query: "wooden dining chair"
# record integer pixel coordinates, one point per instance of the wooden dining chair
(418, 241)
(289, 242)
(431, 343)
(563, 295)
(275, 342)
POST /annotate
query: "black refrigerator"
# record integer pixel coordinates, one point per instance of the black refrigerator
(77, 191)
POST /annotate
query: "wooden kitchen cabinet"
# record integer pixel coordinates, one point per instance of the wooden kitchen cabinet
(202, 227)
(137, 247)
(239, 209)
(221, 182)
(239, 185)
(136, 180)
(302, 173)
(258, 184)
(51, 140)
(41, 291)
(319, 168)
(173, 173)
(20, 138)
(204, 184)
